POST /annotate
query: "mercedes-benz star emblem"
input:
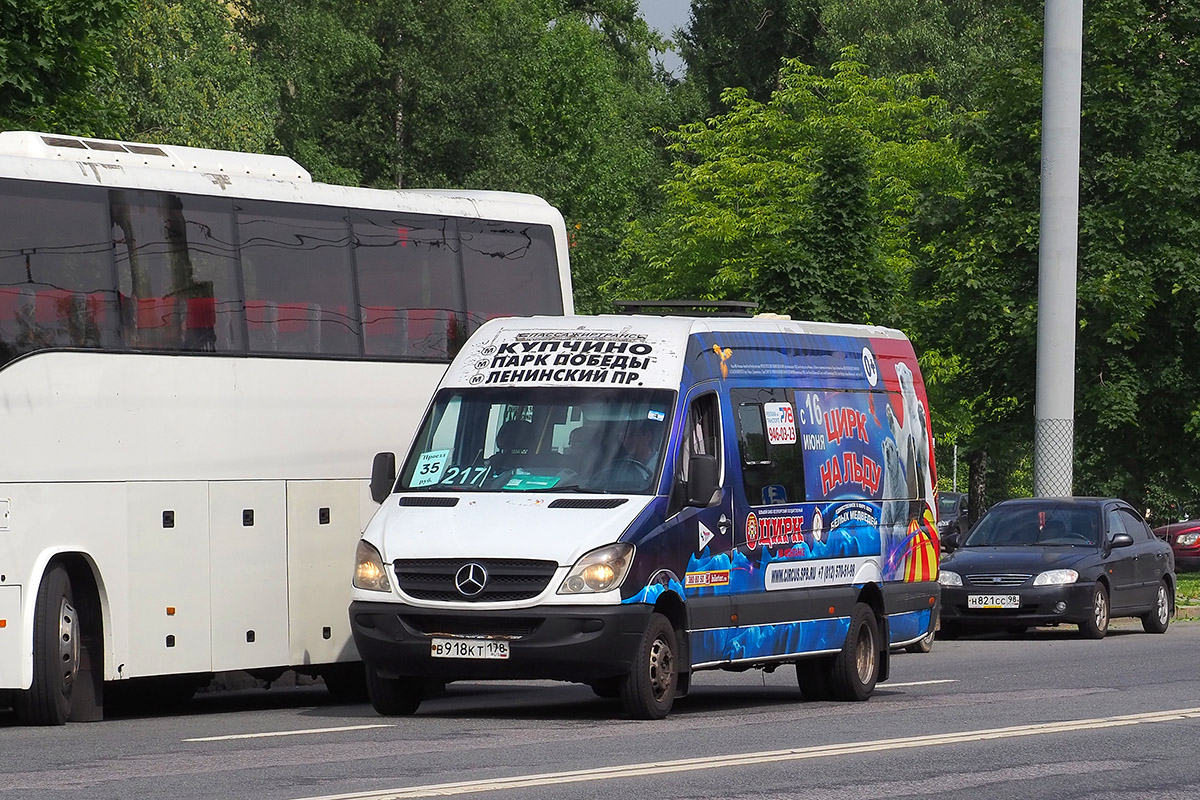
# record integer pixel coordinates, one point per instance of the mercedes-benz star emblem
(470, 579)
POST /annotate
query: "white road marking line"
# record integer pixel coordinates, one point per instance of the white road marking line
(269, 734)
(890, 685)
(747, 759)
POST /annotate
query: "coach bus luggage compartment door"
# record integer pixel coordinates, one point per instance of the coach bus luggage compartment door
(249, 585)
(324, 525)
(169, 626)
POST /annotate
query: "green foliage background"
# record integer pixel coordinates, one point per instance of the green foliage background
(858, 160)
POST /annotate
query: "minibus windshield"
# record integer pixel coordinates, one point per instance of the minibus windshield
(548, 439)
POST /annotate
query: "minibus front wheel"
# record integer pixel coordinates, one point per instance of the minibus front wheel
(393, 697)
(648, 691)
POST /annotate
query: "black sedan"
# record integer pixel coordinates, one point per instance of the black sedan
(1047, 561)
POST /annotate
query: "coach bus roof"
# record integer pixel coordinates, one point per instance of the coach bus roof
(160, 156)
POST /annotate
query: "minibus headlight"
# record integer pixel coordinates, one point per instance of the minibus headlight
(369, 572)
(599, 570)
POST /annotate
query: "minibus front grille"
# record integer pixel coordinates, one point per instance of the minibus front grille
(508, 579)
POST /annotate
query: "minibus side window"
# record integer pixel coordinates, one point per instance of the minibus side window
(772, 466)
(701, 436)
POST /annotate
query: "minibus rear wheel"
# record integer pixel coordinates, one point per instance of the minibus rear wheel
(393, 697)
(856, 668)
(648, 691)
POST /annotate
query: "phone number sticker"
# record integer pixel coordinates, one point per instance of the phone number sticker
(781, 423)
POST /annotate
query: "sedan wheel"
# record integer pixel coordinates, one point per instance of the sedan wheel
(1097, 624)
(1157, 620)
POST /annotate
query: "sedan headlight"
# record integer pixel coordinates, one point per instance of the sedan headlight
(947, 578)
(600, 570)
(369, 572)
(1056, 577)
(1188, 539)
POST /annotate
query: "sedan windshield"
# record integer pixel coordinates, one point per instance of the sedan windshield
(947, 504)
(541, 439)
(1054, 525)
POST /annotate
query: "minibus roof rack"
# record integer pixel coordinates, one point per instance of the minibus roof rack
(688, 308)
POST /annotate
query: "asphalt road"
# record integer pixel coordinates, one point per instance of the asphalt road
(1046, 715)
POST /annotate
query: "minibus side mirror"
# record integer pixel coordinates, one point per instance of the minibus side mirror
(383, 476)
(703, 472)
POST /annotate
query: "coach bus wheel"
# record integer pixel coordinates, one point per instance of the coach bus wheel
(55, 653)
(393, 697)
(812, 675)
(648, 691)
(856, 667)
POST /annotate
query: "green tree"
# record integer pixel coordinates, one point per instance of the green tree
(183, 75)
(51, 54)
(742, 43)
(956, 39)
(1137, 421)
(805, 203)
(552, 97)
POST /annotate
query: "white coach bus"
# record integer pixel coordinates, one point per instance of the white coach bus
(200, 352)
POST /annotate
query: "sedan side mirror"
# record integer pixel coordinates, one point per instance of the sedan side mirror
(1120, 540)
(703, 472)
(383, 476)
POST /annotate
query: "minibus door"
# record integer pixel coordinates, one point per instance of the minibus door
(705, 523)
(767, 479)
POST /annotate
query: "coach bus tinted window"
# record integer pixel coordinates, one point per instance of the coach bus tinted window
(409, 284)
(177, 272)
(296, 272)
(509, 268)
(56, 278)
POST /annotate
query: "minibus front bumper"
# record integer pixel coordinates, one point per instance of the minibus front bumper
(568, 643)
